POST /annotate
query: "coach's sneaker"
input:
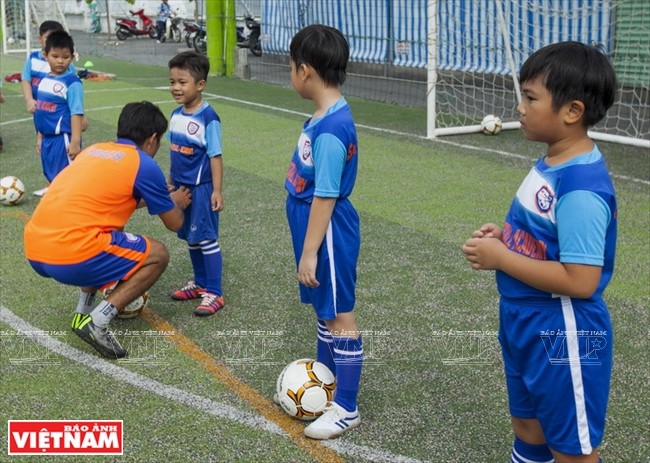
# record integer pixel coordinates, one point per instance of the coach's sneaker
(101, 339)
(334, 422)
(190, 291)
(40, 192)
(210, 304)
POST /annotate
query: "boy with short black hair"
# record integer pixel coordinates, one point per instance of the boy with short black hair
(323, 223)
(59, 107)
(195, 138)
(554, 257)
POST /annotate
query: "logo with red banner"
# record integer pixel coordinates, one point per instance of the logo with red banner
(63, 437)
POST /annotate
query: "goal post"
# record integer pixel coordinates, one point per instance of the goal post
(20, 21)
(476, 48)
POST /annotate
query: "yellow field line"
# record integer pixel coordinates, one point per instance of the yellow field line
(221, 373)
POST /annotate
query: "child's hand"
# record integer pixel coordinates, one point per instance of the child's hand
(84, 123)
(489, 230)
(73, 150)
(2, 98)
(307, 271)
(483, 253)
(217, 201)
(31, 106)
(39, 141)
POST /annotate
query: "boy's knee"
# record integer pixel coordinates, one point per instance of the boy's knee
(158, 254)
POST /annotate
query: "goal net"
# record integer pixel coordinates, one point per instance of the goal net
(476, 48)
(20, 21)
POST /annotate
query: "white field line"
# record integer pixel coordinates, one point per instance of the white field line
(180, 396)
(367, 127)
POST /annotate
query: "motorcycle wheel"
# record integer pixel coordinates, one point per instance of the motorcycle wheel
(122, 34)
(176, 35)
(256, 47)
(189, 39)
(153, 33)
(200, 44)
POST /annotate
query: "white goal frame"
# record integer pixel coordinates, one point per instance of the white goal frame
(509, 73)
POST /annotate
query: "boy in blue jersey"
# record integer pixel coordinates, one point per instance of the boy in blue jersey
(59, 107)
(323, 223)
(195, 138)
(553, 258)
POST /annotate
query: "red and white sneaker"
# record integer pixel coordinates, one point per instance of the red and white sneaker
(190, 291)
(210, 304)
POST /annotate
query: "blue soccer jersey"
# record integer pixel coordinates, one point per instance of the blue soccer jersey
(59, 98)
(194, 139)
(36, 67)
(564, 213)
(324, 162)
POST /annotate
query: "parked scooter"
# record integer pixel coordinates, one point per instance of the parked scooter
(252, 39)
(200, 40)
(175, 28)
(126, 27)
(190, 29)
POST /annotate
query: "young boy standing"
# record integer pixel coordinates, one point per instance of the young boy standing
(195, 138)
(553, 258)
(36, 67)
(324, 225)
(59, 107)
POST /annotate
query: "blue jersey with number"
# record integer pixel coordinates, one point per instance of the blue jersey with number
(324, 162)
(564, 213)
(194, 139)
(36, 67)
(59, 98)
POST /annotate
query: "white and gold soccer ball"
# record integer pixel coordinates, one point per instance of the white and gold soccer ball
(491, 124)
(134, 307)
(304, 388)
(12, 190)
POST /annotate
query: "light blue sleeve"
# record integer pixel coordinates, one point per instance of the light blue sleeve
(27, 70)
(213, 139)
(75, 99)
(582, 220)
(329, 159)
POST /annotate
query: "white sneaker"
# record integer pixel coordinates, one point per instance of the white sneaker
(40, 192)
(334, 422)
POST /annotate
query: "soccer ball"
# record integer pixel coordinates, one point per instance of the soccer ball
(10, 40)
(12, 190)
(491, 124)
(304, 388)
(133, 308)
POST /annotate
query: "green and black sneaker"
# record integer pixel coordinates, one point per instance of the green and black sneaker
(101, 339)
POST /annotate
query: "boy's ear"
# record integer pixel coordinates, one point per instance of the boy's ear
(575, 112)
(201, 85)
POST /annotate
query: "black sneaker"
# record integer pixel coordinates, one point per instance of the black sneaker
(101, 339)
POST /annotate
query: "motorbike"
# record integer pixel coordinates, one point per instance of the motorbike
(190, 28)
(175, 29)
(127, 27)
(200, 40)
(252, 39)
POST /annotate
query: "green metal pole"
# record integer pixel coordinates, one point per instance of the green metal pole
(214, 25)
(231, 37)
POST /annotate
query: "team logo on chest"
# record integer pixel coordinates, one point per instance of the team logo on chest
(57, 88)
(544, 199)
(192, 128)
(306, 150)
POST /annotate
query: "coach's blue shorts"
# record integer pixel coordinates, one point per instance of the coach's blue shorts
(104, 268)
(557, 355)
(201, 222)
(336, 270)
(54, 155)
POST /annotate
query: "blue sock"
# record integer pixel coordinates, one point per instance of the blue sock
(348, 357)
(324, 347)
(213, 265)
(198, 265)
(528, 453)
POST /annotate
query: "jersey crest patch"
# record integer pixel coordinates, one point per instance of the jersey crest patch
(306, 150)
(192, 128)
(57, 88)
(544, 199)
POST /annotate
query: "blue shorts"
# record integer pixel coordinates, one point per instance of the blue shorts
(557, 355)
(201, 222)
(336, 270)
(104, 268)
(54, 155)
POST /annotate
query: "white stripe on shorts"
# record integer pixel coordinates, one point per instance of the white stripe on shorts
(576, 374)
(329, 240)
